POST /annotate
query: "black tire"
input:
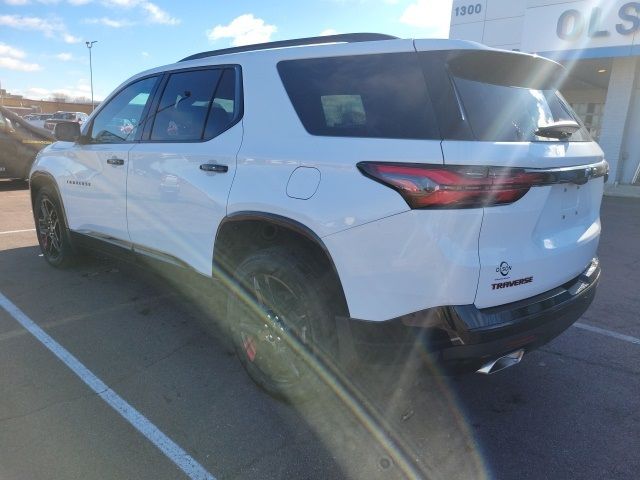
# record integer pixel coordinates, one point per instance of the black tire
(51, 229)
(282, 324)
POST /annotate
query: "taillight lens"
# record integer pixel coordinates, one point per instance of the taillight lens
(425, 186)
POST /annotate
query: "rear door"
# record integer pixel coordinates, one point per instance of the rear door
(550, 235)
(180, 173)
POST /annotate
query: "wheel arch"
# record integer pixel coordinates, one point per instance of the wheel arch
(40, 179)
(247, 231)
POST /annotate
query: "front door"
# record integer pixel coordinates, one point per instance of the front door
(96, 186)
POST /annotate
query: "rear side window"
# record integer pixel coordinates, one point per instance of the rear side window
(224, 107)
(196, 105)
(380, 96)
(507, 97)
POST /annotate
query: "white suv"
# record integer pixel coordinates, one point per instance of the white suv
(360, 195)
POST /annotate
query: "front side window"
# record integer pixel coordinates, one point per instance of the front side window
(380, 96)
(119, 120)
(196, 105)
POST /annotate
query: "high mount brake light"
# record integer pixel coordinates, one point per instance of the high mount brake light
(426, 186)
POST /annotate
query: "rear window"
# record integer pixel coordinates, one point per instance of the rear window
(380, 96)
(64, 116)
(507, 97)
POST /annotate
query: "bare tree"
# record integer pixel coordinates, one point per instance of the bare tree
(60, 97)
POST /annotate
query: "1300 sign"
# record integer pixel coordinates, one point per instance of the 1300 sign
(468, 9)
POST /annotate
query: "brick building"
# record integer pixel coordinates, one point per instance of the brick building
(40, 106)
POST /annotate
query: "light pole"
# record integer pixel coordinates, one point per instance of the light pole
(89, 46)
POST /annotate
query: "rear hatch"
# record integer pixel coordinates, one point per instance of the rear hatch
(502, 112)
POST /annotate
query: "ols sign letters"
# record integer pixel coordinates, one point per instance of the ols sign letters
(573, 23)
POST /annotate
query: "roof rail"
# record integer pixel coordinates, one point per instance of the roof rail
(344, 37)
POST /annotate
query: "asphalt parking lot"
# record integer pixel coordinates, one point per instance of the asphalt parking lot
(569, 410)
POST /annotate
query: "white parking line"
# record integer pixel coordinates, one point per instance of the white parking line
(608, 333)
(18, 231)
(171, 450)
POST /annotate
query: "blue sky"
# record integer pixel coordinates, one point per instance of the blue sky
(42, 49)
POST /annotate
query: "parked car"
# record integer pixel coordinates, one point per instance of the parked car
(19, 144)
(78, 117)
(360, 195)
(38, 119)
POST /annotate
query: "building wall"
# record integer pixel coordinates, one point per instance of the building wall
(586, 95)
(544, 26)
(569, 31)
(497, 23)
(617, 112)
(630, 156)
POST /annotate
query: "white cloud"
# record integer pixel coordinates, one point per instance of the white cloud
(68, 38)
(110, 22)
(433, 16)
(157, 15)
(9, 51)
(11, 63)
(154, 14)
(64, 57)
(50, 27)
(36, 92)
(328, 31)
(81, 89)
(46, 2)
(11, 59)
(244, 30)
(121, 3)
(144, 54)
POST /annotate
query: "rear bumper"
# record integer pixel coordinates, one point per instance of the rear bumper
(463, 338)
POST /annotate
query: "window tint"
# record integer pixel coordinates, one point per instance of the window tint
(361, 96)
(196, 105)
(498, 113)
(119, 119)
(224, 108)
(507, 97)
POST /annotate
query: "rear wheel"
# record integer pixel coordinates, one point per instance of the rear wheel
(51, 228)
(281, 324)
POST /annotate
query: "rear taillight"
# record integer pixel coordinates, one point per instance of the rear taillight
(424, 186)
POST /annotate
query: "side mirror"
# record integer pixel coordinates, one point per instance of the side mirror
(66, 131)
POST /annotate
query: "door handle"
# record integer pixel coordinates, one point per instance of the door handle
(115, 161)
(214, 167)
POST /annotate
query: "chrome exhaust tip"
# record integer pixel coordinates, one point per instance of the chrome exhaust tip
(501, 363)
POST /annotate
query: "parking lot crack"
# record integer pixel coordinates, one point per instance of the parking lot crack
(265, 454)
(592, 363)
(4, 420)
(152, 363)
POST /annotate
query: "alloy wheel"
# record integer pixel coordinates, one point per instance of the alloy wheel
(49, 229)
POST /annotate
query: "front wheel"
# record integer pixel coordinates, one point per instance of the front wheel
(53, 234)
(281, 323)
